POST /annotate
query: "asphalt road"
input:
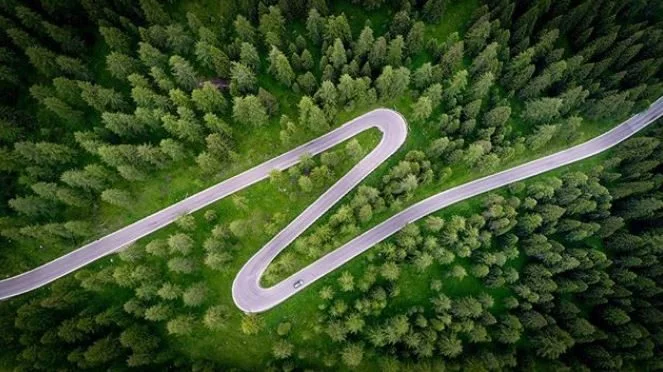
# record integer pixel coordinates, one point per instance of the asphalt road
(249, 296)
(247, 293)
(394, 131)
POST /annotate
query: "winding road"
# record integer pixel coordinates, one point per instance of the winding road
(247, 293)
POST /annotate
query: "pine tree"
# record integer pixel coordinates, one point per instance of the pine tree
(31, 206)
(115, 39)
(195, 295)
(311, 116)
(162, 80)
(307, 83)
(243, 80)
(153, 12)
(364, 43)
(21, 38)
(392, 83)
(119, 198)
(378, 54)
(433, 10)
(481, 86)
(92, 177)
(552, 342)
(327, 96)
(251, 324)
(124, 125)
(416, 38)
(280, 67)
(151, 56)
(216, 145)
(337, 54)
(456, 87)
(519, 70)
(183, 72)
(121, 65)
(67, 40)
(64, 111)
(641, 208)
(543, 110)
(213, 58)
(182, 325)
(147, 98)
(73, 67)
(306, 60)
(244, 30)
(487, 61)
(337, 27)
(346, 89)
(497, 117)
(395, 51)
(43, 60)
(352, 355)
(46, 154)
(346, 281)
(216, 317)
(572, 98)
(208, 99)
(475, 39)
(613, 105)
(400, 23)
(186, 126)
(272, 26)
(249, 111)
(209, 163)
(423, 76)
(315, 26)
(422, 109)
(29, 18)
(452, 59)
(542, 135)
(215, 124)
(537, 86)
(100, 98)
(248, 56)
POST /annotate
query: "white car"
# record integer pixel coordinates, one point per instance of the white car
(298, 284)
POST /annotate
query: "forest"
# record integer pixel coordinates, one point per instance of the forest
(111, 110)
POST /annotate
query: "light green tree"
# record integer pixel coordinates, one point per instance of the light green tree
(422, 109)
(279, 66)
(249, 111)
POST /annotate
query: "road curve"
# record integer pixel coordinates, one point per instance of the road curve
(249, 296)
(247, 293)
(390, 123)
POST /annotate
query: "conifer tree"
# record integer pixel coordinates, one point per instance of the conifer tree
(243, 80)
(249, 111)
(121, 65)
(280, 67)
(183, 72)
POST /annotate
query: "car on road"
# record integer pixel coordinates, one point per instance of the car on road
(298, 284)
